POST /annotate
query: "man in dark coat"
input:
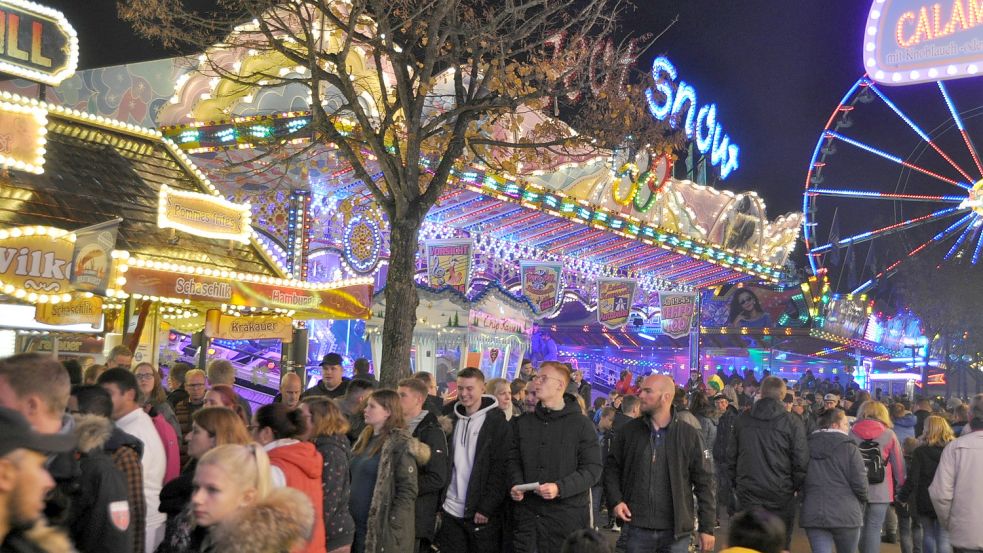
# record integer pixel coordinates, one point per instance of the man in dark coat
(727, 415)
(556, 449)
(768, 455)
(432, 477)
(332, 384)
(471, 518)
(655, 467)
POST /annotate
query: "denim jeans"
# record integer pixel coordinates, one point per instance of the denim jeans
(821, 540)
(909, 533)
(595, 496)
(936, 537)
(641, 540)
(870, 537)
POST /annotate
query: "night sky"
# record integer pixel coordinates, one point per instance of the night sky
(775, 69)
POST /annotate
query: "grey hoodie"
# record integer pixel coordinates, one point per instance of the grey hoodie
(465, 445)
(835, 488)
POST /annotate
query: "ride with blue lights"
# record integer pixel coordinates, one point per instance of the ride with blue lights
(667, 102)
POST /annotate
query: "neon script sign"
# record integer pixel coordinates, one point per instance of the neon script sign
(913, 41)
(668, 103)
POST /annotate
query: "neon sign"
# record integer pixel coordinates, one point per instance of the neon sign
(913, 41)
(36, 42)
(666, 103)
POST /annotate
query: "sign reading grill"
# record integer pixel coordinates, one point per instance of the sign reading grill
(36, 42)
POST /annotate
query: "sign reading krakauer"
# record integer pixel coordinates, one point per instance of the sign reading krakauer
(78, 311)
(36, 42)
(203, 215)
(255, 327)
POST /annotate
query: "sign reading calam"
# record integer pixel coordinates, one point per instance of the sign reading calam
(36, 42)
(203, 215)
(913, 41)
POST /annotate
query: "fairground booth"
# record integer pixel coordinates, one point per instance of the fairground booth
(590, 258)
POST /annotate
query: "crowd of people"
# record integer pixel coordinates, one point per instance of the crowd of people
(119, 459)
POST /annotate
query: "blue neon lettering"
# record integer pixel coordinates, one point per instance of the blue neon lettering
(666, 103)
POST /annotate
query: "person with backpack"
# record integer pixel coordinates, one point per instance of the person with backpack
(835, 489)
(884, 461)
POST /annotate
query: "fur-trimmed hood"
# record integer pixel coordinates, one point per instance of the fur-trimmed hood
(419, 450)
(391, 515)
(273, 525)
(446, 424)
(39, 538)
(92, 432)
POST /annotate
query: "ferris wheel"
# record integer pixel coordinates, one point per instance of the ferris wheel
(896, 174)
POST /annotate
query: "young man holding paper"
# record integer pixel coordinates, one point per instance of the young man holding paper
(555, 461)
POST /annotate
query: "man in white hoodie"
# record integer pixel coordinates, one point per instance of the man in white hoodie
(130, 417)
(473, 508)
(957, 487)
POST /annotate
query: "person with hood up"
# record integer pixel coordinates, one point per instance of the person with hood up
(835, 488)
(556, 449)
(237, 508)
(873, 423)
(294, 464)
(768, 455)
(921, 472)
(328, 429)
(384, 478)
(472, 511)
(433, 476)
(904, 422)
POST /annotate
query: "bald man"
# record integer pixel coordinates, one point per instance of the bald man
(290, 389)
(654, 467)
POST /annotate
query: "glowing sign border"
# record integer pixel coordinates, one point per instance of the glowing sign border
(71, 60)
(244, 211)
(36, 165)
(876, 26)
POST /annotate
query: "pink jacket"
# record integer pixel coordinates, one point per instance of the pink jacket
(172, 447)
(894, 475)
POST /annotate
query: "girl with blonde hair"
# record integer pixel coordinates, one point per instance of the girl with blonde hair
(873, 429)
(500, 388)
(924, 462)
(384, 478)
(237, 509)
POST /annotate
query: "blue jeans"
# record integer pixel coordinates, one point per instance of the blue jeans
(641, 540)
(870, 538)
(935, 536)
(821, 540)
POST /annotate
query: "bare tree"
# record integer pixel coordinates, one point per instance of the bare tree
(451, 84)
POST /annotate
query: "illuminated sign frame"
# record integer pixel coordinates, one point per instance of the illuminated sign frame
(40, 116)
(55, 76)
(229, 209)
(699, 124)
(906, 30)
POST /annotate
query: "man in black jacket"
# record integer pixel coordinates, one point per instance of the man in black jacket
(768, 455)
(556, 449)
(432, 477)
(89, 500)
(727, 415)
(472, 508)
(655, 467)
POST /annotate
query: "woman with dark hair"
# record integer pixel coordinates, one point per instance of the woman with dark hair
(294, 464)
(835, 488)
(746, 311)
(707, 415)
(384, 478)
(154, 397)
(328, 429)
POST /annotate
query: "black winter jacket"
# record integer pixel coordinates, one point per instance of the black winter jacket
(339, 528)
(835, 488)
(558, 447)
(767, 456)
(488, 484)
(921, 472)
(627, 473)
(433, 477)
(725, 426)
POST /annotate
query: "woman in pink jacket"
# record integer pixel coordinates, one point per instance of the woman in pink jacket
(874, 424)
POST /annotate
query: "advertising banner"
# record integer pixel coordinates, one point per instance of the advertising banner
(449, 263)
(614, 298)
(541, 284)
(678, 312)
(753, 307)
(78, 311)
(846, 317)
(255, 327)
(350, 302)
(92, 260)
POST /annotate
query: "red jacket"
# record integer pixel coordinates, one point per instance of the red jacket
(624, 386)
(302, 465)
(172, 447)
